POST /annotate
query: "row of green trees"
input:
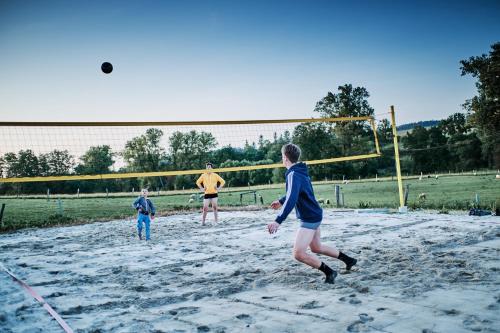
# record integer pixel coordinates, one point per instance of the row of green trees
(464, 141)
(460, 142)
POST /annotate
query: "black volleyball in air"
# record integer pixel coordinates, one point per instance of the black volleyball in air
(106, 67)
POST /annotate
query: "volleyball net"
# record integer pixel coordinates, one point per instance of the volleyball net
(80, 151)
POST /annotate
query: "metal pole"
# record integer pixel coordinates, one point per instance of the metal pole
(337, 195)
(1, 214)
(60, 207)
(406, 193)
(402, 207)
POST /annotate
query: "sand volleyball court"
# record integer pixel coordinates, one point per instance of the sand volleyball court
(417, 272)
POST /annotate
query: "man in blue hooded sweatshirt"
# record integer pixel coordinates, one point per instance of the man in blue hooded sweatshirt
(300, 195)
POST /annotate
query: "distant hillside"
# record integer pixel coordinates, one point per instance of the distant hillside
(410, 126)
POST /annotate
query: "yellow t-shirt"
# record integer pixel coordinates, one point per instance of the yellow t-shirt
(210, 181)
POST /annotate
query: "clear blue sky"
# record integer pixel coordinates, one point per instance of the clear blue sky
(188, 60)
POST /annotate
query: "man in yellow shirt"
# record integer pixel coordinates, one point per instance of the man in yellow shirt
(210, 183)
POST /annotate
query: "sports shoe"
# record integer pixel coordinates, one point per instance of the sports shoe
(331, 278)
(349, 263)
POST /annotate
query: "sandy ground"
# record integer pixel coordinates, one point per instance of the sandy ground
(417, 272)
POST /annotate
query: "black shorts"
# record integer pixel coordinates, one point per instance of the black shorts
(211, 196)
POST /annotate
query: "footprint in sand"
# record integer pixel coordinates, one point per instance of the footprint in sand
(359, 325)
(140, 288)
(474, 323)
(451, 312)
(247, 319)
(311, 305)
(230, 289)
(365, 317)
(353, 299)
(184, 311)
(203, 328)
(493, 306)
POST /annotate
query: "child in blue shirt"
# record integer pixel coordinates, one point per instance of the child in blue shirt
(300, 195)
(145, 208)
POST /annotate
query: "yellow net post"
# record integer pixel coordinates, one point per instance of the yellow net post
(402, 207)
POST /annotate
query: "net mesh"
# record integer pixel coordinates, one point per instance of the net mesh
(63, 151)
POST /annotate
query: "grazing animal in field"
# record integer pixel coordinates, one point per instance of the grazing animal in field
(323, 201)
(422, 196)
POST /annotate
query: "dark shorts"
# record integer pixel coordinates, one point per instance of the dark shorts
(211, 196)
(309, 225)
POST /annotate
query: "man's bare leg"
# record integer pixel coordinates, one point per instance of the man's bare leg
(302, 242)
(319, 248)
(214, 207)
(206, 202)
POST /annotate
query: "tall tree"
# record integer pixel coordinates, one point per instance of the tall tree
(59, 162)
(416, 142)
(251, 153)
(438, 152)
(25, 164)
(191, 150)
(484, 109)
(226, 153)
(384, 131)
(454, 124)
(10, 165)
(348, 102)
(96, 160)
(144, 153)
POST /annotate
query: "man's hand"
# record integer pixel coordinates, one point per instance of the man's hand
(276, 204)
(273, 227)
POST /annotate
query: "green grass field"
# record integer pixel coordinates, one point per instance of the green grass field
(456, 192)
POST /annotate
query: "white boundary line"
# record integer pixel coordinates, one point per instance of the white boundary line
(40, 299)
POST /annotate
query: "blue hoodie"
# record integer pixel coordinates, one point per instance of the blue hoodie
(299, 195)
(144, 206)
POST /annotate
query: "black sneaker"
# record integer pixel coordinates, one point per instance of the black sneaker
(140, 237)
(331, 278)
(350, 263)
